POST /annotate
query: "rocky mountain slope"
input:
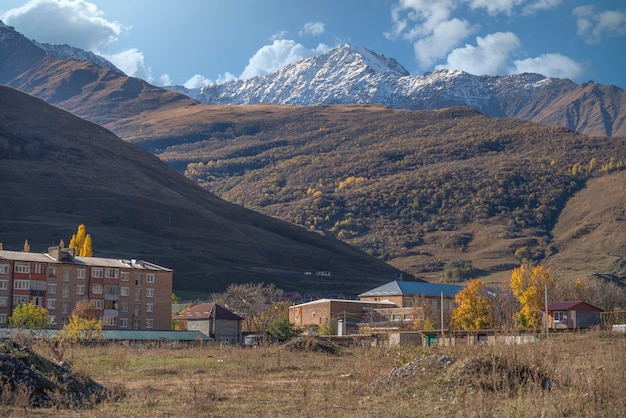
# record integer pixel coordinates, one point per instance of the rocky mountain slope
(57, 171)
(353, 75)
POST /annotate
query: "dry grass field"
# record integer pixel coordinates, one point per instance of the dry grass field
(573, 375)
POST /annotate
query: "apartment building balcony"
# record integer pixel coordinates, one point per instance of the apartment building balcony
(37, 292)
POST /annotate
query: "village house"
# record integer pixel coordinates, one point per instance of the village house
(414, 302)
(129, 294)
(573, 315)
(331, 313)
(214, 321)
(391, 304)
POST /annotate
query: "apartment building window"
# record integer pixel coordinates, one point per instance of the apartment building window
(137, 295)
(408, 303)
(65, 308)
(435, 304)
(66, 292)
(3, 318)
(125, 276)
(21, 268)
(137, 310)
(37, 301)
(109, 320)
(4, 269)
(97, 303)
(4, 285)
(20, 300)
(138, 279)
(96, 289)
(150, 293)
(51, 304)
(52, 288)
(149, 278)
(80, 289)
(124, 306)
(52, 319)
(123, 322)
(4, 301)
(136, 323)
(21, 285)
(149, 323)
(80, 274)
(67, 275)
(52, 272)
(111, 273)
(149, 307)
(38, 268)
(124, 291)
(97, 272)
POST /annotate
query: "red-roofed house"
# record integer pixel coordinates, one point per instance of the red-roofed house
(215, 321)
(572, 315)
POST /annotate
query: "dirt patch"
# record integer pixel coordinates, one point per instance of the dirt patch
(312, 344)
(28, 379)
(491, 374)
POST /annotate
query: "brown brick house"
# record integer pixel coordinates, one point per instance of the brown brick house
(129, 294)
(392, 304)
(331, 311)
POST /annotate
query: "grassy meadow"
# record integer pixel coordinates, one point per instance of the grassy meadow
(577, 375)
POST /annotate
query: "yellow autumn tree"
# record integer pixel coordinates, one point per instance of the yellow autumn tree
(81, 242)
(29, 316)
(474, 310)
(84, 324)
(527, 284)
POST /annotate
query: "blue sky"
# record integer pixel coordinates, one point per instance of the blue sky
(196, 42)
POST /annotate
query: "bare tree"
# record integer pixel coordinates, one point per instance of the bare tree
(255, 302)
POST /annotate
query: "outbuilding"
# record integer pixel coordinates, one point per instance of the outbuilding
(573, 315)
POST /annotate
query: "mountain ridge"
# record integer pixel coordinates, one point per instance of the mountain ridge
(356, 75)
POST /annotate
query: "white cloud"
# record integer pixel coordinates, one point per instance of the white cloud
(550, 65)
(412, 19)
(494, 7)
(445, 36)
(132, 63)
(74, 22)
(488, 57)
(313, 28)
(540, 5)
(165, 80)
(225, 78)
(593, 26)
(197, 81)
(273, 57)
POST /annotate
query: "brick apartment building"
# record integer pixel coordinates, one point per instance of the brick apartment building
(130, 294)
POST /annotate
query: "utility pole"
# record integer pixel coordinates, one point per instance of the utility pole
(545, 300)
(442, 336)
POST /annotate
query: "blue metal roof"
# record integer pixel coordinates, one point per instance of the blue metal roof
(397, 288)
(124, 335)
(153, 335)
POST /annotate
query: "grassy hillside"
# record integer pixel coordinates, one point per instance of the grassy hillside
(58, 171)
(417, 188)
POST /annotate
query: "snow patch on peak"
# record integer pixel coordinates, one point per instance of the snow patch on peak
(69, 52)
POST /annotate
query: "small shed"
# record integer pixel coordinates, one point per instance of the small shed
(214, 321)
(573, 315)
